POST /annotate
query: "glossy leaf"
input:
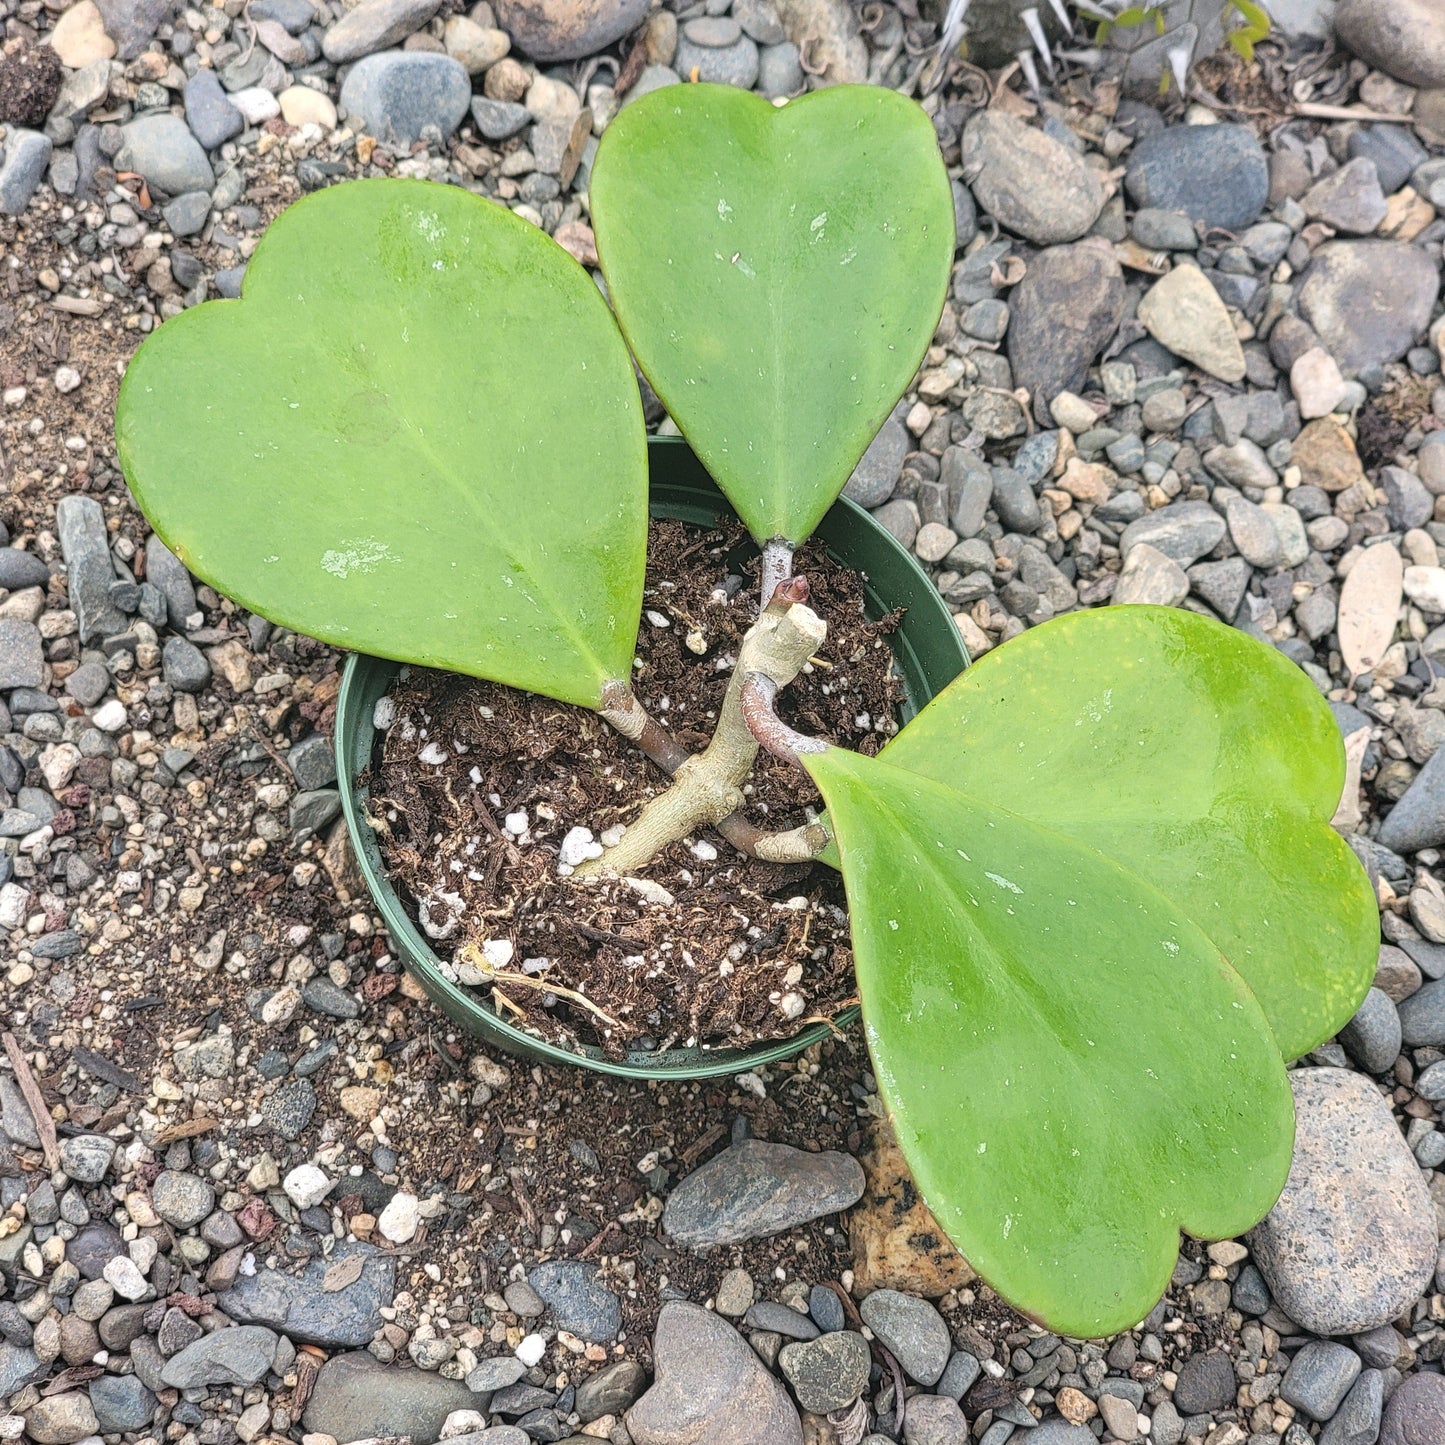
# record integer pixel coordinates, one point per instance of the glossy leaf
(1073, 1071)
(418, 434)
(778, 272)
(1193, 755)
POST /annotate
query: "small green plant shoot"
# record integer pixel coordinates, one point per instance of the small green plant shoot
(1095, 899)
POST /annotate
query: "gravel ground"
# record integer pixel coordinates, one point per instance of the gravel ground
(266, 1190)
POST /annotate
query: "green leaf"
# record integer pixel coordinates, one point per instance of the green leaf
(417, 435)
(1193, 755)
(1073, 1070)
(778, 273)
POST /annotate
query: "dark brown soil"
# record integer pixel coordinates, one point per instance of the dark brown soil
(745, 950)
(30, 78)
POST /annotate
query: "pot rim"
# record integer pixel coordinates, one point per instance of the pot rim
(672, 469)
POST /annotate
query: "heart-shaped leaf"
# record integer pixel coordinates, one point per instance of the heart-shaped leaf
(418, 435)
(1073, 1070)
(778, 273)
(1196, 757)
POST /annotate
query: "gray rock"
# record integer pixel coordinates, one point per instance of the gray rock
(755, 1190)
(163, 150)
(85, 545)
(22, 654)
(121, 1402)
(311, 811)
(1368, 300)
(167, 572)
(499, 119)
(710, 1386)
(1206, 1383)
(1373, 1037)
(237, 1356)
(1060, 1432)
(1164, 230)
(27, 153)
(86, 1157)
(1028, 181)
(1064, 312)
(1349, 199)
(1253, 533)
(133, 23)
(212, 118)
(187, 215)
(780, 1319)
(184, 665)
(94, 1246)
(300, 1306)
(1405, 38)
(85, 89)
(292, 15)
(878, 469)
(375, 25)
(1319, 1377)
(495, 1374)
(1351, 1241)
(288, 1111)
(20, 569)
(1416, 821)
(356, 1397)
(1184, 531)
(312, 762)
(912, 1329)
(19, 1366)
(936, 1420)
(780, 73)
(1416, 1412)
(610, 1391)
(1357, 1421)
(1392, 148)
(579, 1301)
(395, 94)
(736, 64)
(182, 1199)
(88, 683)
(1408, 502)
(1422, 1016)
(828, 1373)
(1216, 174)
(1014, 501)
(550, 30)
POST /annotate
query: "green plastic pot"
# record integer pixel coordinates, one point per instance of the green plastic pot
(929, 655)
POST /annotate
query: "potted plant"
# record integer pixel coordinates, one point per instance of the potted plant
(1095, 902)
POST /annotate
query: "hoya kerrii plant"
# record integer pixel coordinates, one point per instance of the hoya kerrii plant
(1095, 899)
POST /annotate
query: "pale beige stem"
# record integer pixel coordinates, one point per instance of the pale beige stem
(707, 788)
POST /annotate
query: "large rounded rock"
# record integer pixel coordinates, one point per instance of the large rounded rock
(1368, 300)
(374, 25)
(1027, 181)
(1063, 312)
(1404, 38)
(162, 149)
(1216, 174)
(710, 1387)
(1416, 1412)
(357, 1397)
(396, 94)
(1351, 1242)
(550, 30)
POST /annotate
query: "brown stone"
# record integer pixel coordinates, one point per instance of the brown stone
(1325, 454)
(897, 1243)
(1075, 1406)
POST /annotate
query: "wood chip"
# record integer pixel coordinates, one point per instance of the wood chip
(188, 1129)
(44, 1124)
(1370, 607)
(343, 1273)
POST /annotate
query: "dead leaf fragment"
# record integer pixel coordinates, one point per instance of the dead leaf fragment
(343, 1273)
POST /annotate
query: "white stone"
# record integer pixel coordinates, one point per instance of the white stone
(306, 1185)
(300, 105)
(1316, 382)
(110, 716)
(67, 379)
(79, 37)
(58, 764)
(399, 1220)
(123, 1275)
(12, 905)
(531, 1350)
(256, 103)
(577, 847)
(1425, 587)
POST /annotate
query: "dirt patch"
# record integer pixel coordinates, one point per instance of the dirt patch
(744, 951)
